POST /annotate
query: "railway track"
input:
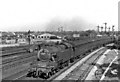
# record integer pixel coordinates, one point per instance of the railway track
(19, 63)
(23, 76)
(13, 52)
(90, 64)
(13, 47)
(19, 60)
(16, 67)
(17, 57)
(79, 70)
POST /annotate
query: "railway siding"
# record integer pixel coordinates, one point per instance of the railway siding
(17, 58)
(8, 75)
(16, 67)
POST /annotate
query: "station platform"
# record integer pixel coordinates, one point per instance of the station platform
(106, 68)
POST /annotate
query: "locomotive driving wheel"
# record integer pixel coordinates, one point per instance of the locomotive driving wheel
(34, 74)
(46, 75)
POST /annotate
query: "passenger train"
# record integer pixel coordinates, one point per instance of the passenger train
(52, 57)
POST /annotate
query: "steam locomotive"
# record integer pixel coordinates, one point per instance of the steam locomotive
(53, 57)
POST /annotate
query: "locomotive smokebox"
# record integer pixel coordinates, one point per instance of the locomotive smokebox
(44, 55)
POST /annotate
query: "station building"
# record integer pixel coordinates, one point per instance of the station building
(47, 38)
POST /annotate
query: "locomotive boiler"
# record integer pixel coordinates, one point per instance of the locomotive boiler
(53, 57)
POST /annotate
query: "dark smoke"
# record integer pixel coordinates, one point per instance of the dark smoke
(74, 24)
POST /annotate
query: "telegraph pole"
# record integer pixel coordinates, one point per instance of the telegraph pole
(113, 29)
(109, 29)
(98, 28)
(105, 26)
(29, 37)
(101, 29)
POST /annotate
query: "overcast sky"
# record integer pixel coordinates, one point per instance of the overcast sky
(36, 15)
